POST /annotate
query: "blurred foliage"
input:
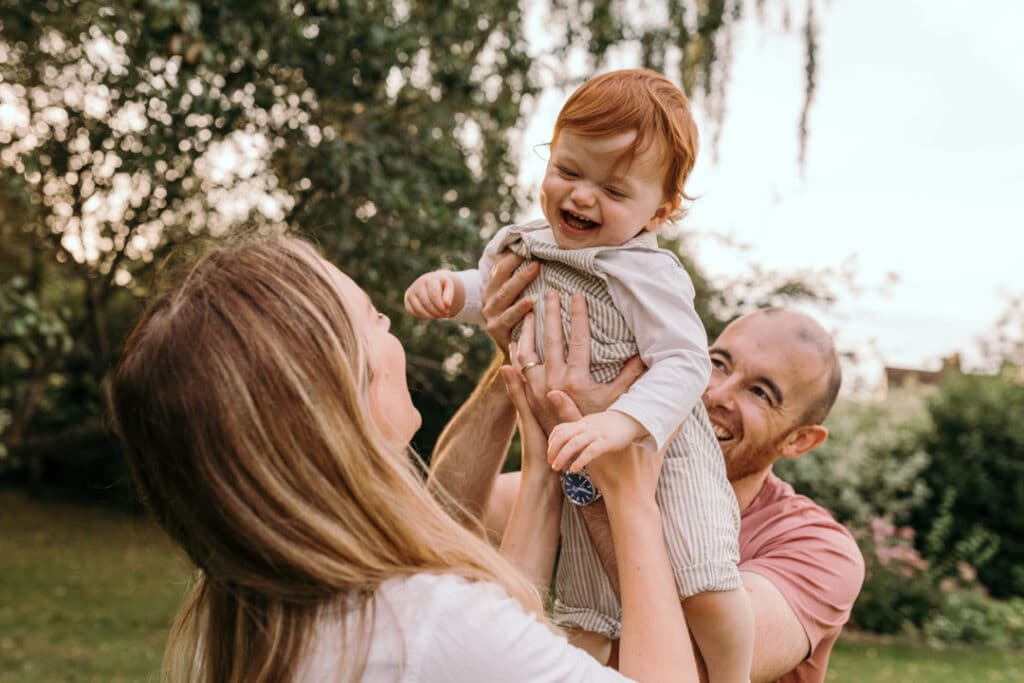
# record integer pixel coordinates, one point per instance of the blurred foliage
(899, 590)
(969, 615)
(133, 132)
(1003, 346)
(925, 484)
(871, 465)
(977, 472)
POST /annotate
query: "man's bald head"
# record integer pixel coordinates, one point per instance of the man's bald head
(809, 331)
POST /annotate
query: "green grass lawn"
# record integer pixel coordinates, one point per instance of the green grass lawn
(85, 594)
(88, 594)
(854, 659)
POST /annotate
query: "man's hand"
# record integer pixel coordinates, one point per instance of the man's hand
(567, 373)
(575, 444)
(435, 295)
(503, 307)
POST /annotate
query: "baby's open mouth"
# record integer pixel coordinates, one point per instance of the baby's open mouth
(578, 222)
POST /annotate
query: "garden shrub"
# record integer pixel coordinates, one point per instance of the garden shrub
(976, 448)
(967, 614)
(870, 466)
(899, 593)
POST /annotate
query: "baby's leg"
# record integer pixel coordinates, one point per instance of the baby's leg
(722, 623)
(701, 524)
(584, 598)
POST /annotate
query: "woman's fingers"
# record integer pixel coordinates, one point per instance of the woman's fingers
(527, 339)
(564, 406)
(514, 383)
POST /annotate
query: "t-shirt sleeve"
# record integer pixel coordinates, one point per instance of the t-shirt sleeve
(476, 632)
(817, 567)
(654, 294)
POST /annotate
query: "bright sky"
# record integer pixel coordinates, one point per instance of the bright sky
(915, 166)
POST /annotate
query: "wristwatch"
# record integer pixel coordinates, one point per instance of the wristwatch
(579, 489)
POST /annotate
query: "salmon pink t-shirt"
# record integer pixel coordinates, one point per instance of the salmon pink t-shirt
(811, 559)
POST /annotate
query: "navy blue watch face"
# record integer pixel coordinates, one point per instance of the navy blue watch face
(578, 488)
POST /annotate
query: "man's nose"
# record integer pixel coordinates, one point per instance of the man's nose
(720, 393)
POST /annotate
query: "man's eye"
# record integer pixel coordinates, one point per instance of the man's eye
(717, 364)
(761, 394)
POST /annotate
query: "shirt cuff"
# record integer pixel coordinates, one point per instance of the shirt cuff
(472, 287)
(654, 439)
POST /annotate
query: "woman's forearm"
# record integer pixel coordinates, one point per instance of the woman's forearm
(655, 644)
(531, 537)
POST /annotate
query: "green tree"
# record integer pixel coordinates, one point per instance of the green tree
(976, 447)
(136, 130)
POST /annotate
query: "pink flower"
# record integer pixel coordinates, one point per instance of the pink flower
(881, 529)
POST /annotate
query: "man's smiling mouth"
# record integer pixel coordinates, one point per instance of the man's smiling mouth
(578, 222)
(721, 433)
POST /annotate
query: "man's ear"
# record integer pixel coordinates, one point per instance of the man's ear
(802, 440)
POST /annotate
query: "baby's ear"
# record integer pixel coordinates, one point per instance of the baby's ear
(662, 215)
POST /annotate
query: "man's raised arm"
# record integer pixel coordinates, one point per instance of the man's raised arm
(472, 448)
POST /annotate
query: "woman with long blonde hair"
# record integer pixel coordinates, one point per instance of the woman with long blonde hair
(263, 408)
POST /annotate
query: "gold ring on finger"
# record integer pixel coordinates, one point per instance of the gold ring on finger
(527, 366)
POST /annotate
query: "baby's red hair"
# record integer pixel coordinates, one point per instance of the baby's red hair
(644, 101)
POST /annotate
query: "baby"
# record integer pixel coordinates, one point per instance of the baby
(623, 146)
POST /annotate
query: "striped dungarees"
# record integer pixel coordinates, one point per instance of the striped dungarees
(699, 513)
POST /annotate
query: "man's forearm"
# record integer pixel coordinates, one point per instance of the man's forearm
(595, 519)
(472, 448)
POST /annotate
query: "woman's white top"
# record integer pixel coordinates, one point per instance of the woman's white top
(441, 627)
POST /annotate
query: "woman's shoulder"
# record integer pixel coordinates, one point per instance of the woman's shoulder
(422, 600)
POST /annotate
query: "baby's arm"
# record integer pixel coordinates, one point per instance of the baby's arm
(440, 294)
(655, 296)
(458, 295)
(657, 304)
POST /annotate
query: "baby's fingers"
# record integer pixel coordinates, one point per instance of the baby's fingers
(413, 304)
(558, 437)
(592, 452)
(561, 458)
(435, 294)
(447, 294)
(424, 306)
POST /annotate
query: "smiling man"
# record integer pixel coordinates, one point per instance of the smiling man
(775, 376)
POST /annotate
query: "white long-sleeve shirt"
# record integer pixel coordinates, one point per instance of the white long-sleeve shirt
(443, 628)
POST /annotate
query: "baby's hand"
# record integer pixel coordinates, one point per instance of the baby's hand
(435, 295)
(591, 437)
